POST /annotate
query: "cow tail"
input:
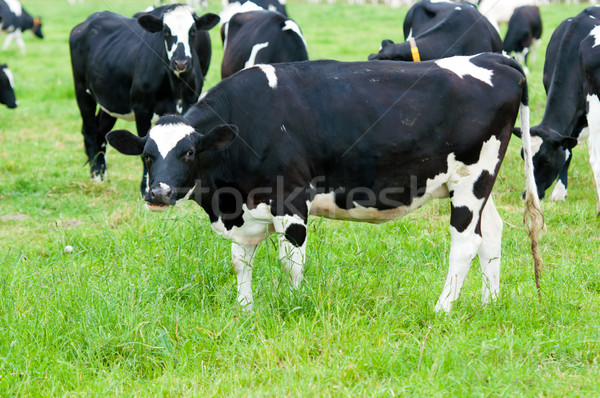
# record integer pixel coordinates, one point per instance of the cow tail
(533, 216)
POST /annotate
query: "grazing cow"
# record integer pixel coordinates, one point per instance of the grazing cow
(274, 143)
(16, 20)
(589, 55)
(523, 34)
(135, 69)
(564, 116)
(441, 29)
(7, 87)
(260, 37)
(232, 8)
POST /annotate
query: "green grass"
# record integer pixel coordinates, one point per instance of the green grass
(145, 304)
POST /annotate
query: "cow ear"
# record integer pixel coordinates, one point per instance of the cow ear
(206, 21)
(386, 43)
(125, 142)
(517, 131)
(150, 23)
(567, 142)
(218, 138)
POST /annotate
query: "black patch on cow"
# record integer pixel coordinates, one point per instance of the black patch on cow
(470, 156)
(482, 186)
(296, 234)
(460, 217)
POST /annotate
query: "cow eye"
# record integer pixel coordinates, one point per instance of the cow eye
(189, 154)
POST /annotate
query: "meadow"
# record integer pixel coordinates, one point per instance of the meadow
(145, 304)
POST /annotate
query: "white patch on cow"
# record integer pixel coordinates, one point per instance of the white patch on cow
(164, 186)
(596, 33)
(457, 8)
(291, 257)
(536, 144)
(257, 223)
(230, 9)
(15, 7)
(410, 35)
(269, 71)
(243, 258)
(593, 117)
(179, 21)
(130, 117)
(167, 136)
(10, 78)
(559, 194)
(462, 65)
(293, 26)
(440, 1)
(225, 36)
(272, 8)
(254, 52)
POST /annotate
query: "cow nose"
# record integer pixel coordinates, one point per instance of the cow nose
(181, 65)
(160, 195)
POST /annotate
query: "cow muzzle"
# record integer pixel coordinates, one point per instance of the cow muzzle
(160, 197)
(182, 65)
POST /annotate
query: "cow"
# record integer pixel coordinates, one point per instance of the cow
(523, 34)
(232, 8)
(441, 29)
(7, 87)
(589, 56)
(565, 114)
(260, 37)
(361, 141)
(16, 20)
(126, 79)
(498, 12)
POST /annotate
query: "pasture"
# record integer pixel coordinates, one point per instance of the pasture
(145, 304)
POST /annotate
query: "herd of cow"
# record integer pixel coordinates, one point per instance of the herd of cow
(281, 138)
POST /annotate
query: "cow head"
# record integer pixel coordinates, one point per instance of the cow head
(37, 28)
(178, 26)
(550, 153)
(7, 92)
(173, 152)
(388, 51)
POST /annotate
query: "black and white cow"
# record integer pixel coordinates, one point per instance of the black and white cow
(565, 113)
(441, 29)
(230, 8)
(524, 33)
(135, 69)
(7, 87)
(260, 37)
(589, 55)
(363, 141)
(16, 20)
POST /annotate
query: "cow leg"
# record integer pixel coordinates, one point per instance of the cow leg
(91, 131)
(20, 42)
(465, 242)
(594, 143)
(490, 251)
(105, 123)
(243, 258)
(143, 122)
(291, 231)
(9, 38)
(560, 189)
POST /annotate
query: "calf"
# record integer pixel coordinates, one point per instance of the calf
(240, 6)
(7, 87)
(273, 144)
(441, 29)
(260, 37)
(565, 113)
(16, 20)
(589, 55)
(523, 34)
(134, 81)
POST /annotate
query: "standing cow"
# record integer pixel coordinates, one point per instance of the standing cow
(134, 69)
(7, 87)
(363, 141)
(230, 8)
(523, 34)
(565, 114)
(441, 29)
(16, 20)
(260, 37)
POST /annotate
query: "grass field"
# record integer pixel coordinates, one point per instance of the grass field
(146, 303)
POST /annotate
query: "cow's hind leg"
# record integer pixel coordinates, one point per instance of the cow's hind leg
(593, 117)
(90, 131)
(291, 231)
(490, 251)
(243, 258)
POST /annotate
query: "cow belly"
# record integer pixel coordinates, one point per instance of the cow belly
(130, 117)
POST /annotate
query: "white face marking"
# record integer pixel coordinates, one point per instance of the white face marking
(596, 33)
(462, 66)
(269, 72)
(179, 21)
(167, 136)
(271, 7)
(15, 6)
(254, 52)
(164, 186)
(10, 78)
(536, 144)
(293, 26)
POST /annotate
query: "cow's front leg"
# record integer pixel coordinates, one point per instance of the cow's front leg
(143, 122)
(560, 189)
(9, 38)
(490, 252)
(20, 41)
(291, 232)
(243, 258)
(594, 147)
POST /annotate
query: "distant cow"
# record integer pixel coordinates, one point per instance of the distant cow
(500, 11)
(7, 87)
(439, 30)
(589, 55)
(260, 37)
(16, 20)
(273, 144)
(565, 114)
(135, 69)
(235, 7)
(523, 34)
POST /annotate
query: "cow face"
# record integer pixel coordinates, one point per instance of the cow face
(178, 27)
(37, 28)
(7, 92)
(172, 152)
(550, 153)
